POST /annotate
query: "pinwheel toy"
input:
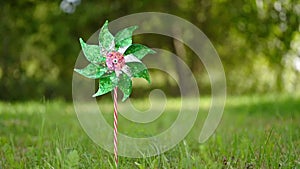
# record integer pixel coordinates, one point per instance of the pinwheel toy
(115, 61)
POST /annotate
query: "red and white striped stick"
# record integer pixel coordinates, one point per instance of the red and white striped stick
(116, 125)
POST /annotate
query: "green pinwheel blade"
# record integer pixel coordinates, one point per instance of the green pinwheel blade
(125, 85)
(92, 52)
(139, 70)
(106, 84)
(138, 50)
(106, 39)
(92, 71)
(124, 37)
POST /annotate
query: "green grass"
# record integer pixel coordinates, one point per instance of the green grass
(255, 132)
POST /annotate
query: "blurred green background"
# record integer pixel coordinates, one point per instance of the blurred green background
(258, 42)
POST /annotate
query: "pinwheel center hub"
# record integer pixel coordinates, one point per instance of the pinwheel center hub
(115, 61)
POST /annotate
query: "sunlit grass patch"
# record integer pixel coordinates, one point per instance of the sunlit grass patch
(255, 132)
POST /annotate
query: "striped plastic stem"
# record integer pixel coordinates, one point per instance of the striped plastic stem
(116, 126)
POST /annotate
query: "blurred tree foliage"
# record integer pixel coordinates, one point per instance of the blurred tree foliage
(257, 41)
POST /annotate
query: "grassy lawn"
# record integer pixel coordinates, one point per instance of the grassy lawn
(255, 132)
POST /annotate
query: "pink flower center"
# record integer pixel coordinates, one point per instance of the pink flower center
(115, 61)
